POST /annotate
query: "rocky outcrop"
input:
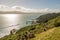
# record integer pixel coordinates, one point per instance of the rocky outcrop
(13, 31)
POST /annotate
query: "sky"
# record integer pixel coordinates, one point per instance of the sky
(28, 5)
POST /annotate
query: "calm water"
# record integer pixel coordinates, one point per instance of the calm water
(6, 20)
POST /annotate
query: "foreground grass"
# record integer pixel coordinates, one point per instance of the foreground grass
(52, 34)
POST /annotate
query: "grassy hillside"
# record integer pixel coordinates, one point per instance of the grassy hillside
(52, 34)
(48, 30)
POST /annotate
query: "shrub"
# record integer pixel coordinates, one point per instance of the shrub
(57, 24)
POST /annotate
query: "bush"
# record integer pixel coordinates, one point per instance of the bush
(57, 24)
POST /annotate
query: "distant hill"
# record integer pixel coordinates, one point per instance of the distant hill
(46, 17)
(49, 30)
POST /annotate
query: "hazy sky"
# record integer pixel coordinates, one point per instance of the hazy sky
(40, 6)
(55, 4)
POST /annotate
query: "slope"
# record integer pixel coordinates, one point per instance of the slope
(44, 31)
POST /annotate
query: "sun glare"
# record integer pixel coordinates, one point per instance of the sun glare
(10, 16)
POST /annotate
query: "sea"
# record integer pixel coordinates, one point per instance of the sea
(15, 21)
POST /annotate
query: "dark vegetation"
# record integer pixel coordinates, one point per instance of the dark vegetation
(57, 24)
(46, 17)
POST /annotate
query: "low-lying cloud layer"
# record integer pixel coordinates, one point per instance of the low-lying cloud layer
(4, 8)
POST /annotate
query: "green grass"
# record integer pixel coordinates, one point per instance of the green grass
(52, 34)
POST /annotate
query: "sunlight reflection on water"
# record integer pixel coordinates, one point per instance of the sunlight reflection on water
(10, 21)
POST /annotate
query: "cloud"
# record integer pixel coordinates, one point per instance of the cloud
(5, 8)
